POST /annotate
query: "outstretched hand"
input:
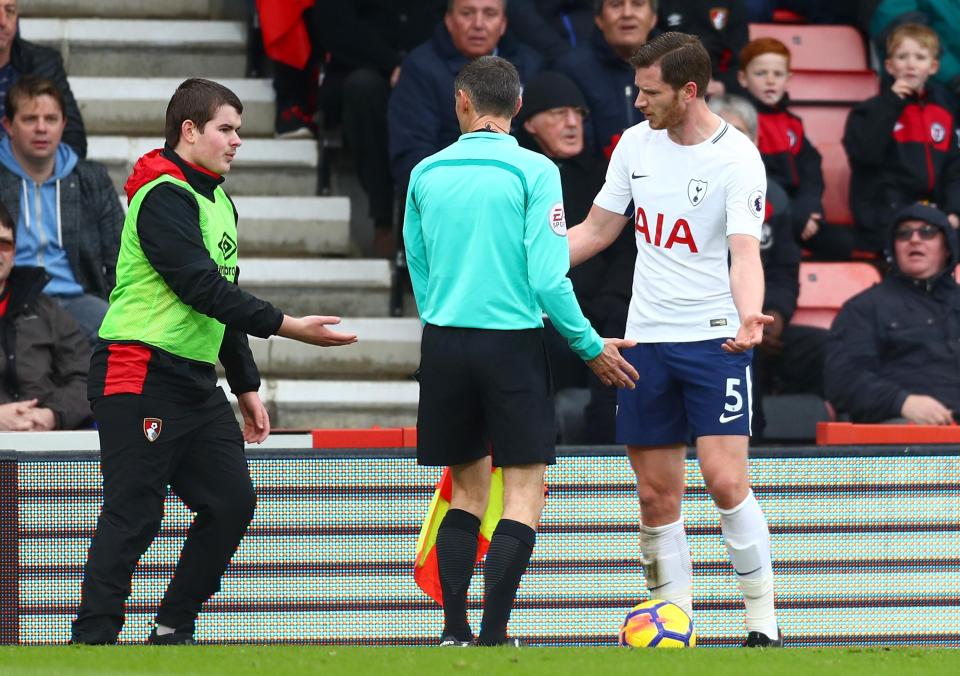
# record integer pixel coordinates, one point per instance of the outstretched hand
(749, 335)
(313, 329)
(610, 366)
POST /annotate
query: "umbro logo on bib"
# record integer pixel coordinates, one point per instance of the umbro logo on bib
(227, 246)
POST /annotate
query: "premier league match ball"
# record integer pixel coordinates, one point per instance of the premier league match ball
(657, 624)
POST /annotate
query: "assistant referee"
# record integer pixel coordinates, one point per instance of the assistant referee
(486, 247)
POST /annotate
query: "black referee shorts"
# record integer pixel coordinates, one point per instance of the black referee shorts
(483, 388)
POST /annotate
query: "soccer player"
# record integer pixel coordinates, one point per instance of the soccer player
(176, 310)
(485, 237)
(698, 187)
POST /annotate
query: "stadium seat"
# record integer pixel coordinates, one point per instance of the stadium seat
(853, 434)
(836, 180)
(822, 124)
(832, 87)
(825, 287)
(817, 47)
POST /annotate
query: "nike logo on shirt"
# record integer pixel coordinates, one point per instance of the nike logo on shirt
(727, 418)
(636, 175)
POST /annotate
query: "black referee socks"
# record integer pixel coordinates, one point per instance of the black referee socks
(456, 558)
(507, 560)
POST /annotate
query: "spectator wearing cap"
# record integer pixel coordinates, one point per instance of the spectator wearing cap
(551, 122)
(894, 349)
(602, 70)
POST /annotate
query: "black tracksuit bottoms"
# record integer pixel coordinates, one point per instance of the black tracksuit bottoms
(197, 450)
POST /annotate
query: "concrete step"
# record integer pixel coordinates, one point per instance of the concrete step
(387, 348)
(136, 106)
(137, 47)
(139, 9)
(345, 287)
(293, 226)
(305, 404)
(262, 166)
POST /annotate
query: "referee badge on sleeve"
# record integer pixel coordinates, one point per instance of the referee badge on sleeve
(151, 428)
(557, 220)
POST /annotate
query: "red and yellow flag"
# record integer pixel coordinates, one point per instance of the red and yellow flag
(425, 571)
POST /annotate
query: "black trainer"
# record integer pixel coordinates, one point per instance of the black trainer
(176, 638)
(756, 639)
(451, 641)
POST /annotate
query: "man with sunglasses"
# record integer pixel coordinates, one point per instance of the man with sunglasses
(894, 349)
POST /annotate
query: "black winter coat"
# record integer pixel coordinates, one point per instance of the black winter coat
(897, 338)
(43, 353)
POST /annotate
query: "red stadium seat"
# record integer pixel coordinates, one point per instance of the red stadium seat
(836, 180)
(822, 86)
(817, 47)
(822, 124)
(825, 287)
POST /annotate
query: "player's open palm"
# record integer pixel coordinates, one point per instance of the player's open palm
(314, 329)
(749, 335)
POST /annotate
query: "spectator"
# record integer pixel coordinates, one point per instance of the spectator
(602, 70)
(19, 57)
(942, 16)
(552, 27)
(789, 157)
(903, 144)
(66, 209)
(790, 358)
(552, 119)
(420, 119)
(722, 27)
(43, 355)
(366, 41)
(893, 350)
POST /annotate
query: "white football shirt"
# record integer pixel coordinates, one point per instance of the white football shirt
(687, 200)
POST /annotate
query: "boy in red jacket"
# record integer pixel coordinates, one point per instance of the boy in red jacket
(787, 154)
(903, 143)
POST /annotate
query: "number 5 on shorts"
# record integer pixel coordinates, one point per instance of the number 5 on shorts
(737, 403)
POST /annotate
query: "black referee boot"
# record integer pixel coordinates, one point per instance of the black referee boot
(176, 638)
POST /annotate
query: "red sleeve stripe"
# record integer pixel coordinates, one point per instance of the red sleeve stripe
(126, 369)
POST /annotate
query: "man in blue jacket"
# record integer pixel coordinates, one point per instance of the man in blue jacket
(602, 70)
(66, 209)
(420, 117)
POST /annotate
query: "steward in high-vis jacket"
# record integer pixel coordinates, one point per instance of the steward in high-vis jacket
(162, 419)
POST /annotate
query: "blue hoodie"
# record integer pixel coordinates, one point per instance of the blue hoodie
(39, 232)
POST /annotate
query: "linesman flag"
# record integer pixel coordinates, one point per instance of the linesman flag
(425, 570)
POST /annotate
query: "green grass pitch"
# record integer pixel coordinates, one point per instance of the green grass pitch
(356, 661)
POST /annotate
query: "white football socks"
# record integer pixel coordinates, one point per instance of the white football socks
(666, 563)
(747, 537)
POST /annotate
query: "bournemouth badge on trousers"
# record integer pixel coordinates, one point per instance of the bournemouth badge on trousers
(151, 428)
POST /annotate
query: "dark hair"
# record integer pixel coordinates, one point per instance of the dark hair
(450, 4)
(30, 87)
(682, 59)
(6, 221)
(492, 84)
(598, 6)
(198, 100)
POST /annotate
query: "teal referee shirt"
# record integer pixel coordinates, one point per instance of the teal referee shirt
(486, 241)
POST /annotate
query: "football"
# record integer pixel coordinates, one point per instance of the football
(657, 624)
